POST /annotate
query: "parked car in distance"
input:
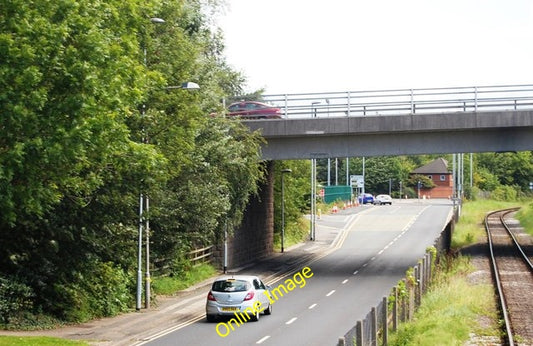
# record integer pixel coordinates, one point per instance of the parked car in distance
(366, 198)
(232, 294)
(253, 110)
(383, 199)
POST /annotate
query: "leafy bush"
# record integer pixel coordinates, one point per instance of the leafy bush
(169, 285)
(15, 298)
(101, 290)
(504, 193)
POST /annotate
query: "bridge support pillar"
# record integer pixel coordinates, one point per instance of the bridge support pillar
(255, 236)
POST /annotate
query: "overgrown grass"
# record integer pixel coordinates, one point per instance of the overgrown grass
(453, 307)
(37, 341)
(294, 234)
(525, 216)
(170, 285)
(470, 229)
(450, 310)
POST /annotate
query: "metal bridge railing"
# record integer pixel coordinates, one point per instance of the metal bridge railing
(404, 101)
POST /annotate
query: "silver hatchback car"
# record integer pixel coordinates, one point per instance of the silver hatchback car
(238, 294)
(383, 199)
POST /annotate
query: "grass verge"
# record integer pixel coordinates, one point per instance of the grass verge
(470, 229)
(450, 310)
(525, 216)
(294, 234)
(170, 285)
(37, 341)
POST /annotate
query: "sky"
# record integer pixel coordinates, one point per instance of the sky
(301, 46)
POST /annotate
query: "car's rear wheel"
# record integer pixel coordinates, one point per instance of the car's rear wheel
(268, 310)
(211, 318)
(255, 317)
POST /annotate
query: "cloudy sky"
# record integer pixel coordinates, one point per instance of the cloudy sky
(294, 46)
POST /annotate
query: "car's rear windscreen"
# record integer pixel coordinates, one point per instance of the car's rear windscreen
(230, 286)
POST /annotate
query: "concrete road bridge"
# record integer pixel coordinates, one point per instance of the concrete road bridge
(375, 123)
(398, 122)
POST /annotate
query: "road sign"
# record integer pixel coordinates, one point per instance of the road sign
(357, 181)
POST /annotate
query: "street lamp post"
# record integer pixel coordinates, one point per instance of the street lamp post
(147, 278)
(287, 170)
(144, 203)
(313, 183)
(144, 208)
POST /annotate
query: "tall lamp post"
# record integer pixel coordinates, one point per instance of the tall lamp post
(287, 170)
(144, 203)
(147, 282)
(313, 184)
(144, 207)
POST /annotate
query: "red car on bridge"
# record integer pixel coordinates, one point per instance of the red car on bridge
(253, 110)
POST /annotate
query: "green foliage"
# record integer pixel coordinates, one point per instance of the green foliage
(295, 233)
(15, 297)
(77, 147)
(446, 317)
(525, 216)
(297, 200)
(169, 285)
(510, 169)
(470, 228)
(100, 290)
(425, 182)
(37, 341)
(66, 82)
(504, 193)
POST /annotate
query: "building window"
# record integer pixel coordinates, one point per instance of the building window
(443, 178)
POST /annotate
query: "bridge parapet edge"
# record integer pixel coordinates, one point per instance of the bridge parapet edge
(463, 121)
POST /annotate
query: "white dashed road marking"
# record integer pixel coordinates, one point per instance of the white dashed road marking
(291, 320)
(263, 339)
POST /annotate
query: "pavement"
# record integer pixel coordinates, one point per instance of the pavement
(169, 313)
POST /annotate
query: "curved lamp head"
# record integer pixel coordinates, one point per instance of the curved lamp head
(190, 86)
(186, 86)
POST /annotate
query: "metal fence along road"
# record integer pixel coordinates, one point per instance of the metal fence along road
(404, 101)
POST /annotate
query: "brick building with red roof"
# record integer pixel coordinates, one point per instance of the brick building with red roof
(437, 171)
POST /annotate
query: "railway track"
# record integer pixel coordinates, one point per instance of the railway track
(513, 274)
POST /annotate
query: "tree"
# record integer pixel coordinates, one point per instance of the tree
(72, 158)
(67, 82)
(512, 169)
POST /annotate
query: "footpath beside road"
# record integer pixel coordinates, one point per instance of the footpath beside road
(172, 312)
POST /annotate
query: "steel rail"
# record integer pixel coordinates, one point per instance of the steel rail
(515, 241)
(495, 271)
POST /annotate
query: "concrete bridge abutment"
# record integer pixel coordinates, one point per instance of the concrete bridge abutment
(255, 237)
